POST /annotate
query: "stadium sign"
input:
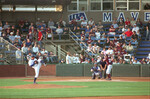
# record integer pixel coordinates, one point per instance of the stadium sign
(77, 16)
(107, 16)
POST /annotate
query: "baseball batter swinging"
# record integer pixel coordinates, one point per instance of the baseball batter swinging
(36, 65)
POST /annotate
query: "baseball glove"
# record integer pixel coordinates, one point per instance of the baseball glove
(36, 62)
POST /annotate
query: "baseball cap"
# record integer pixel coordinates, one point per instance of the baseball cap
(11, 33)
(134, 24)
(32, 56)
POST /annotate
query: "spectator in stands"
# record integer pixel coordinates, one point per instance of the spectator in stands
(89, 41)
(35, 49)
(38, 22)
(40, 37)
(102, 54)
(51, 24)
(115, 41)
(115, 25)
(97, 34)
(127, 22)
(95, 48)
(136, 62)
(129, 48)
(18, 37)
(18, 54)
(110, 51)
(26, 24)
(83, 24)
(135, 28)
(104, 51)
(119, 46)
(21, 23)
(28, 43)
(139, 23)
(43, 24)
(121, 40)
(29, 50)
(49, 33)
(59, 31)
(73, 22)
(11, 37)
(30, 36)
(61, 23)
(91, 22)
(112, 30)
(127, 57)
(147, 6)
(53, 57)
(107, 42)
(77, 30)
(24, 49)
(68, 58)
(16, 43)
(148, 31)
(44, 51)
(121, 26)
(91, 33)
(89, 48)
(33, 30)
(99, 44)
(128, 34)
(121, 20)
(125, 28)
(134, 37)
(100, 26)
(112, 44)
(133, 22)
(6, 25)
(143, 61)
(5, 37)
(87, 31)
(31, 25)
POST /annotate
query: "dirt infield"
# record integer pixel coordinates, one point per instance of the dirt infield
(88, 79)
(39, 86)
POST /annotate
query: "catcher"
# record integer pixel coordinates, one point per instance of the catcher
(95, 71)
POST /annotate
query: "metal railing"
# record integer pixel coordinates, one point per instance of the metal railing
(59, 50)
(8, 52)
(71, 33)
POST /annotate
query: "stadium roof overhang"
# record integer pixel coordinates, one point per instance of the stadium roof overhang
(35, 2)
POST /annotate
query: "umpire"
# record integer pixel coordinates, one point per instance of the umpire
(103, 68)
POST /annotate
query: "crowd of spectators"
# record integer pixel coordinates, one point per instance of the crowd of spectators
(119, 40)
(27, 37)
(116, 41)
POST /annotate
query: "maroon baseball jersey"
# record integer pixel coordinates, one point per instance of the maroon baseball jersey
(109, 61)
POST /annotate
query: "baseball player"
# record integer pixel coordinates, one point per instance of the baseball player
(109, 62)
(95, 71)
(36, 65)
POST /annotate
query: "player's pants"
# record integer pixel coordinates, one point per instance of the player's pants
(37, 69)
(109, 67)
(94, 74)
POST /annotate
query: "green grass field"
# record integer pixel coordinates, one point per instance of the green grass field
(92, 89)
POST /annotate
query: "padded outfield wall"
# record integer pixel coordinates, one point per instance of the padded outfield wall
(123, 70)
(77, 70)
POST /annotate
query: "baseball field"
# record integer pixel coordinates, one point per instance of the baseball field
(76, 88)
